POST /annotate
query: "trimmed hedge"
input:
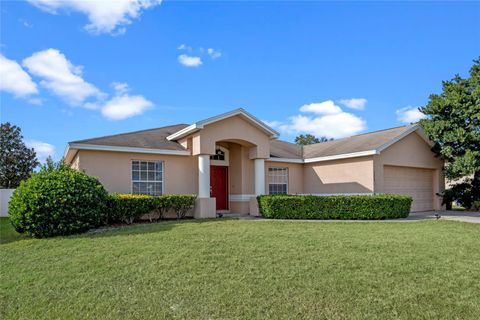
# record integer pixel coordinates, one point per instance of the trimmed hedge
(374, 207)
(127, 208)
(56, 202)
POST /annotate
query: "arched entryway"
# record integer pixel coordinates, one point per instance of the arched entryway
(252, 138)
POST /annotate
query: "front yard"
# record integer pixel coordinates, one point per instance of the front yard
(226, 269)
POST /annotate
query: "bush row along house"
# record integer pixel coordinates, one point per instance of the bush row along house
(229, 159)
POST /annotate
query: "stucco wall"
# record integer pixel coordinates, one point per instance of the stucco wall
(180, 172)
(295, 175)
(114, 169)
(411, 151)
(240, 178)
(240, 170)
(75, 163)
(235, 177)
(354, 175)
(240, 207)
(234, 129)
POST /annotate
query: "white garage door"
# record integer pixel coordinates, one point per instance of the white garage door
(415, 182)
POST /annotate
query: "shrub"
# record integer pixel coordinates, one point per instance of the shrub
(334, 207)
(57, 201)
(181, 204)
(476, 205)
(461, 193)
(127, 208)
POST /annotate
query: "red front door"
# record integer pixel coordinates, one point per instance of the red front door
(219, 186)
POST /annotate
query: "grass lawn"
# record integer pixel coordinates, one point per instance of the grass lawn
(231, 269)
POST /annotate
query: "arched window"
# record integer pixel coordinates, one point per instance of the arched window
(219, 155)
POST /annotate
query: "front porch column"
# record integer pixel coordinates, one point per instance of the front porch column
(205, 206)
(259, 165)
(259, 176)
(204, 176)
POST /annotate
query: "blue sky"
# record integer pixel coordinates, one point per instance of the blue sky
(73, 70)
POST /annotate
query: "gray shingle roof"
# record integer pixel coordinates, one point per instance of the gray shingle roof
(283, 149)
(156, 139)
(151, 139)
(362, 142)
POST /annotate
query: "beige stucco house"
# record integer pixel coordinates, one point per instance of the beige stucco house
(229, 159)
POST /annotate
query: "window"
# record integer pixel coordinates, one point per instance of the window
(219, 155)
(147, 177)
(277, 180)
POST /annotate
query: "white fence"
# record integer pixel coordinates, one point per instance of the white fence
(5, 195)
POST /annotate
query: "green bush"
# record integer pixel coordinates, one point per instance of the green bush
(127, 208)
(181, 204)
(57, 201)
(476, 205)
(334, 207)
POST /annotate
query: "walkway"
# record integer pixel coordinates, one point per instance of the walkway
(464, 216)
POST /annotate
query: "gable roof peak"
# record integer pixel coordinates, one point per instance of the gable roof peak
(236, 112)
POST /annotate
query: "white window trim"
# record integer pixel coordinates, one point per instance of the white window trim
(268, 178)
(163, 174)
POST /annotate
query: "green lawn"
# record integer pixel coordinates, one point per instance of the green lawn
(230, 269)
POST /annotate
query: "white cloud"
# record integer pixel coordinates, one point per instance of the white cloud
(328, 120)
(25, 23)
(122, 105)
(125, 106)
(95, 105)
(195, 61)
(354, 103)
(42, 149)
(36, 101)
(65, 80)
(325, 107)
(14, 79)
(60, 76)
(120, 87)
(105, 16)
(189, 61)
(184, 47)
(273, 124)
(214, 54)
(409, 115)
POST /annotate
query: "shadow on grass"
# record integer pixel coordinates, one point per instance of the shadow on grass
(147, 227)
(9, 235)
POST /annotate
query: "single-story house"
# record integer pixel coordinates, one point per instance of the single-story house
(229, 159)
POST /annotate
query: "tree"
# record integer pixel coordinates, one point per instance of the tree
(453, 123)
(16, 160)
(305, 139)
(51, 165)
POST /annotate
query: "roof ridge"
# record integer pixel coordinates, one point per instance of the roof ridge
(362, 134)
(130, 132)
(397, 127)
